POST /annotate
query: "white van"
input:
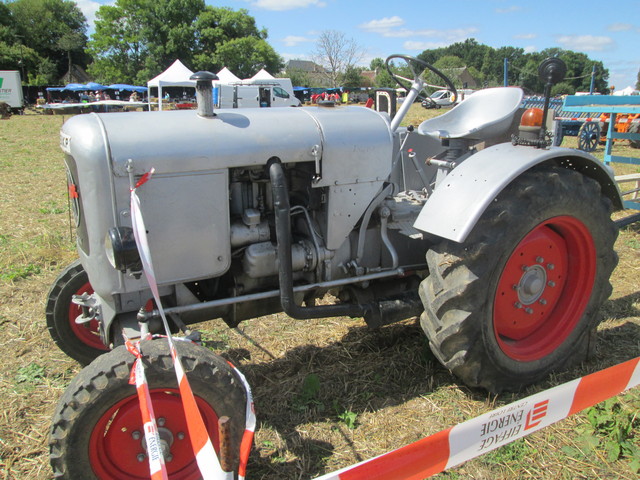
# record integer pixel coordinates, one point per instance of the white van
(11, 89)
(442, 98)
(273, 93)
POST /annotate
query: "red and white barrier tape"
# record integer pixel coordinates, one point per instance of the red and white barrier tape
(206, 458)
(250, 426)
(494, 429)
(416, 461)
(157, 467)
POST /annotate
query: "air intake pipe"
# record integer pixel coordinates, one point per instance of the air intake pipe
(282, 210)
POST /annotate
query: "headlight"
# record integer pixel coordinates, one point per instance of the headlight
(121, 249)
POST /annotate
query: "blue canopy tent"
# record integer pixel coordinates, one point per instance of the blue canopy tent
(77, 87)
(129, 88)
(94, 86)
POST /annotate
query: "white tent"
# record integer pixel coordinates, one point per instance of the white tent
(225, 76)
(177, 75)
(626, 91)
(262, 75)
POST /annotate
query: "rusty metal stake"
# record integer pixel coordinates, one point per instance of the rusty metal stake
(226, 449)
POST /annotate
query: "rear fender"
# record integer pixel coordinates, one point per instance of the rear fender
(462, 197)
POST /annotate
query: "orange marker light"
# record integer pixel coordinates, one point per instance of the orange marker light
(532, 117)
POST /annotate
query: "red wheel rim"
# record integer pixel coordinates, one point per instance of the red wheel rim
(117, 445)
(544, 289)
(88, 333)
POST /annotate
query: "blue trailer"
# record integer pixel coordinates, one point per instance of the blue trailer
(583, 125)
(614, 106)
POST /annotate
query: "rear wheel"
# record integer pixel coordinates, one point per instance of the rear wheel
(520, 297)
(97, 429)
(81, 342)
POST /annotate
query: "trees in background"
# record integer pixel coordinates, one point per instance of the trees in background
(41, 37)
(337, 54)
(486, 64)
(134, 40)
(382, 77)
(137, 39)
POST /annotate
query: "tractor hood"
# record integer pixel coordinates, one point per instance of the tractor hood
(353, 143)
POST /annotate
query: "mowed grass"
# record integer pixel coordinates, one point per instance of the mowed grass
(328, 392)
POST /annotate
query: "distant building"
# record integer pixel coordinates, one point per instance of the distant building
(461, 77)
(304, 66)
(315, 74)
(370, 76)
(75, 75)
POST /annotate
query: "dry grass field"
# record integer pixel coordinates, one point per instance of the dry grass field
(328, 392)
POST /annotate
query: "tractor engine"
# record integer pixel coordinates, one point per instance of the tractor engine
(210, 211)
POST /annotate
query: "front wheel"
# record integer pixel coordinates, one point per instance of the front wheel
(520, 297)
(81, 342)
(97, 429)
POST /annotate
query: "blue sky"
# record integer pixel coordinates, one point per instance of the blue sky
(608, 31)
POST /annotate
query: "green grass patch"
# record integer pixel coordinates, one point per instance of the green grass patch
(51, 208)
(19, 272)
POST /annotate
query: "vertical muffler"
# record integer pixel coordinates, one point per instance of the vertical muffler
(204, 92)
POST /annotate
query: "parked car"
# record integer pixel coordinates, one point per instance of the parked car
(446, 98)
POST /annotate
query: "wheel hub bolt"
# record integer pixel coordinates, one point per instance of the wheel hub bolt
(517, 305)
(552, 284)
(141, 457)
(135, 435)
(551, 266)
(168, 458)
(528, 310)
(180, 435)
(161, 422)
(539, 259)
(543, 301)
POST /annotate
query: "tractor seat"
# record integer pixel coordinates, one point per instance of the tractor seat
(485, 114)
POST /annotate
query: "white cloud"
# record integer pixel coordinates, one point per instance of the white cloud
(389, 27)
(620, 27)
(585, 43)
(293, 40)
(383, 25)
(530, 49)
(281, 5)
(89, 8)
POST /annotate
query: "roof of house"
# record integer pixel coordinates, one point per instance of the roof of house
(303, 65)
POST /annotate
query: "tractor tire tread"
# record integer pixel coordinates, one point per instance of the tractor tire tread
(455, 291)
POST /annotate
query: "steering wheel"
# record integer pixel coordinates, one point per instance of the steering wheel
(418, 67)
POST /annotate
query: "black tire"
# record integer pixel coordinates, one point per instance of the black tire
(589, 136)
(479, 324)
(634, 128)
(93, 432)
(80, 342)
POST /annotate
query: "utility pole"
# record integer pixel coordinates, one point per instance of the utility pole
(506, 72)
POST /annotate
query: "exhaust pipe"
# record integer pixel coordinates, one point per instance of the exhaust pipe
(204, 92)
(283, 238)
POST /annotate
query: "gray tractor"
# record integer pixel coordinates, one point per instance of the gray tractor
(501, 244)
